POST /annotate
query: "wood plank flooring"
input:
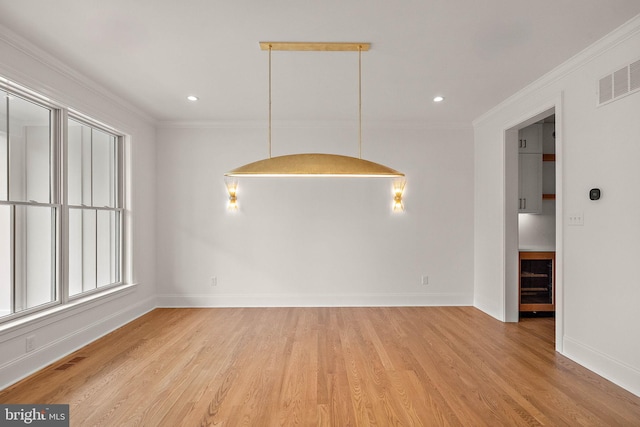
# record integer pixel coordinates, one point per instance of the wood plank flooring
(402, 366)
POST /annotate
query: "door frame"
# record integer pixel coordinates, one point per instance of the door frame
(510, 167)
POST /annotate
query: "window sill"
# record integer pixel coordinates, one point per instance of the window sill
(26, 324)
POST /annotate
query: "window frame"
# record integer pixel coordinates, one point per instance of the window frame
(58, 202)
(118, 203)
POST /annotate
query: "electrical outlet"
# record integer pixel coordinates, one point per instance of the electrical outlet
(424, 280)
(214, 281)
(30, 343)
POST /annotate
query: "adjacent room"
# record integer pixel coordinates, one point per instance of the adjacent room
(321, 213)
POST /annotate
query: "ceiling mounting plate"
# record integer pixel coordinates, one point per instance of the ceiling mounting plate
(322, 46)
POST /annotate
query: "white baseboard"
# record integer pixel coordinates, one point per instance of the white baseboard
(602, 364)
(320, 300)
(21, 367)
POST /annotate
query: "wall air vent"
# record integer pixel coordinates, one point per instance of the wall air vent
(605, 94)
(620, 83)
(634, 76)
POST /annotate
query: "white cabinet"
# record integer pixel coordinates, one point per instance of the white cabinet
(530, 139)
(530, 168)
(530, 183)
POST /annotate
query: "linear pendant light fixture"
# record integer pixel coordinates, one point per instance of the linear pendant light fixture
(316, 164)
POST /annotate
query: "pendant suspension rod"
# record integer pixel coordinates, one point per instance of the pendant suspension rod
(270, 48)
(360, 100)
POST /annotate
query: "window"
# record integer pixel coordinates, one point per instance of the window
(94, 208)
(61, 210)
(28, 215)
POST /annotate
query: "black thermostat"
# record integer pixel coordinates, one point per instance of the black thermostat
(594, 194)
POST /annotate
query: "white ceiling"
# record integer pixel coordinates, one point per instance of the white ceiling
(154, 53)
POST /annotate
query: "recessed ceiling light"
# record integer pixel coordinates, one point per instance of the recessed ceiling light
(192, 98)
(438, 98)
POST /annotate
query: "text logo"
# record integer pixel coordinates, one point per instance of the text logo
(34, 415)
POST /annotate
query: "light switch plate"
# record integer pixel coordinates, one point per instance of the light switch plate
(575, 219)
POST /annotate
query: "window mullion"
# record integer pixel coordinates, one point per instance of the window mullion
(54, 197)
(62, 195)
(12, 264)
(91, 167)
(96, 244)
(6, 98)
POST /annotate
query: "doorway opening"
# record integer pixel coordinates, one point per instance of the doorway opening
(537, 219)
(533, 232)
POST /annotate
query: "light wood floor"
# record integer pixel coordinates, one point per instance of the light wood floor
(330, 367)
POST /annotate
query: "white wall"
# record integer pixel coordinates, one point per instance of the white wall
(314, 241)
(599, 147)
(66, 331)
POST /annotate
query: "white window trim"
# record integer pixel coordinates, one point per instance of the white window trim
(103, 294)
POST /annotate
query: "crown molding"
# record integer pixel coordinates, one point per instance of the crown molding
(312, 124)
(606, 43)
(32, 51)
(211, 124)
